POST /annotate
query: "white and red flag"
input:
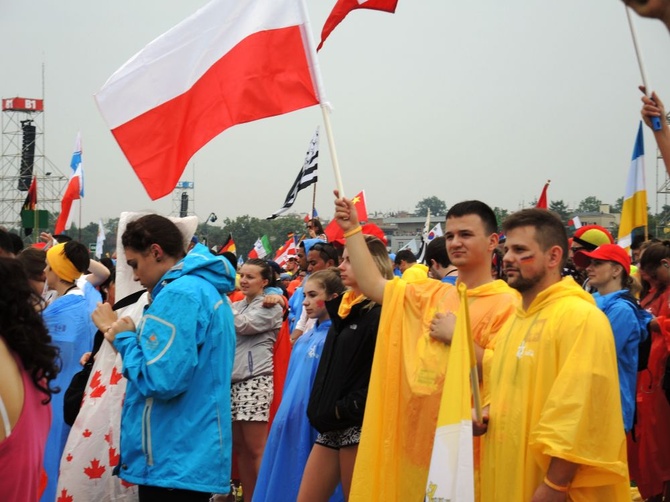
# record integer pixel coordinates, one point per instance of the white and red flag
(73, 191)
(233, 61)
(344, 7)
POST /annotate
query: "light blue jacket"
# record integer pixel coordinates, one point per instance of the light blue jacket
(176, 421)
(629, 325)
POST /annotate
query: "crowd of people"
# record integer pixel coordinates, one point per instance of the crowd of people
(168, 374)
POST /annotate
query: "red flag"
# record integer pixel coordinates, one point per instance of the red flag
(30, 202)
(344, 7)
(335, 234)
(74, 189)
(361, 208)
(542, 201)
(287, 250)
(229, 63)
(229, 245)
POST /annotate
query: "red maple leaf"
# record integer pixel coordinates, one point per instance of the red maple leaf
(113, 457)
(95, 471)
(69, 457)
(126, 484)
(64, 497)
(108, 437)
(86, 433)
(95, 381)
(98, 391)
(115, 377)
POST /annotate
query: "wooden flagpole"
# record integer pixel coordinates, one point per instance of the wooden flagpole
(655, 121)
(325, 106)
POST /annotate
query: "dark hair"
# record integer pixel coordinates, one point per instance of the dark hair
(549, 229)
(405, 255)
(17, 242)
(34, 262)
(652, 256)
(150, 229)
(6, 242)
(326, 252)
(230, 256)
(437, 250)
(476, 207)
(78, 254)
(329, 279)
(318, 227)
(266, 270)
(22, 328)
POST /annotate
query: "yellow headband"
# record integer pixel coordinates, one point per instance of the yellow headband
(61, 265)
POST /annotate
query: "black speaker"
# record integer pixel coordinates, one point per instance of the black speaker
(183, 212)
(27, 155)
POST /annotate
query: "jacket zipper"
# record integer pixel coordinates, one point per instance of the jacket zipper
(146, 431)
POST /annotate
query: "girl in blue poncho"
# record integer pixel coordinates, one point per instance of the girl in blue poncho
(291, 436)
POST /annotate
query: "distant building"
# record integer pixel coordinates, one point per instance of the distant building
(604, 218)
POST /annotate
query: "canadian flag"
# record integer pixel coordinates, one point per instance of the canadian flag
(233, 61)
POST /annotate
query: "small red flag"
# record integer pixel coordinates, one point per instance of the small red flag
(542, 201)
(344, 7)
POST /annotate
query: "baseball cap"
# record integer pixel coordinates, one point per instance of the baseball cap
(592, 236)
(606, 252)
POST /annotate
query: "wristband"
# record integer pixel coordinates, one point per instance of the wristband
(353, 231)
(553, 486)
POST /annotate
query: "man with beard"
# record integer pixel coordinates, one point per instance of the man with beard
(555, 430)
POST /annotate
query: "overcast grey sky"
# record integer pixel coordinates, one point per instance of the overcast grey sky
(472, 99)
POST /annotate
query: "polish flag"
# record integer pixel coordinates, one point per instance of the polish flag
(344, 7)
(233, 61)
(74, 190)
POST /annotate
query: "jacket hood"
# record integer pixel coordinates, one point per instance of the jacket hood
(606, 301)
(496, 287)
(565, 287)
(216, 270)
(310, 242)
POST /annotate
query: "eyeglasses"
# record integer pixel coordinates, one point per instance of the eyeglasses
(309, 226)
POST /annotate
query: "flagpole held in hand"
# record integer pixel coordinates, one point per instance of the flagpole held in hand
(325, 106)
(655, 121)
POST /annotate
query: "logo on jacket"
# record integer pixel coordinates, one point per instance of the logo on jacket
(152, 342)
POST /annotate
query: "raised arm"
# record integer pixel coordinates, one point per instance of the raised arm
(653, 107)
(370, 280)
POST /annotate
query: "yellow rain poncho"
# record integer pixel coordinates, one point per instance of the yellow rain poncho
(555, 393)
(406, 383)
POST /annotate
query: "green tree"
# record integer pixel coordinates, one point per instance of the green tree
(246, 229)
(437, 207)
(590, 205)
(618, 206)
(561, 209)
(501, 214)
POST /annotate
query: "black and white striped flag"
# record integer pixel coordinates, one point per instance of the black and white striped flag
(306, 176)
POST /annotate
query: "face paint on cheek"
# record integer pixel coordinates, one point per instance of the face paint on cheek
(320, 304)
(527, 259)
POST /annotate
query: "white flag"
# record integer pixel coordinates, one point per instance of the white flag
(100, 240)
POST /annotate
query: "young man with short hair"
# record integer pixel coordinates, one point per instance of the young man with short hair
(555, 431)
(410, 363)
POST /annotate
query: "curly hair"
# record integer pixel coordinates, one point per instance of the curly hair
(22, 328)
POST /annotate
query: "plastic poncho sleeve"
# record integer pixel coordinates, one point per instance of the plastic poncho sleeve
(161, 357)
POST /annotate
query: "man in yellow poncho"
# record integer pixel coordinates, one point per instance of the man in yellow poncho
(555, 431)
(409, 366)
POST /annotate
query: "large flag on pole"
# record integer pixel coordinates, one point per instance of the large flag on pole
(307, 176)
(228, 246)
(233, 61)
(542, 202)
(286, 251)
(451, 475)
(73, 191)
(344, 7)
(30, 204)
(634, 211)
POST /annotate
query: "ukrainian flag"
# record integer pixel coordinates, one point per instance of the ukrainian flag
(634, 212)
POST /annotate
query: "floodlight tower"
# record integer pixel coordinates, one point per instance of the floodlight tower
(22, 156)
(183, 199)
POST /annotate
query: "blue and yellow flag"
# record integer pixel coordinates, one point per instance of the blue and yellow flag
(634, 211)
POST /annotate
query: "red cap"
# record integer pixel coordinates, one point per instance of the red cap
(606, 252)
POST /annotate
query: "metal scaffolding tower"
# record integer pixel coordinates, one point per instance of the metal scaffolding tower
(662, 190)
(183, 199)
(18, 115)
